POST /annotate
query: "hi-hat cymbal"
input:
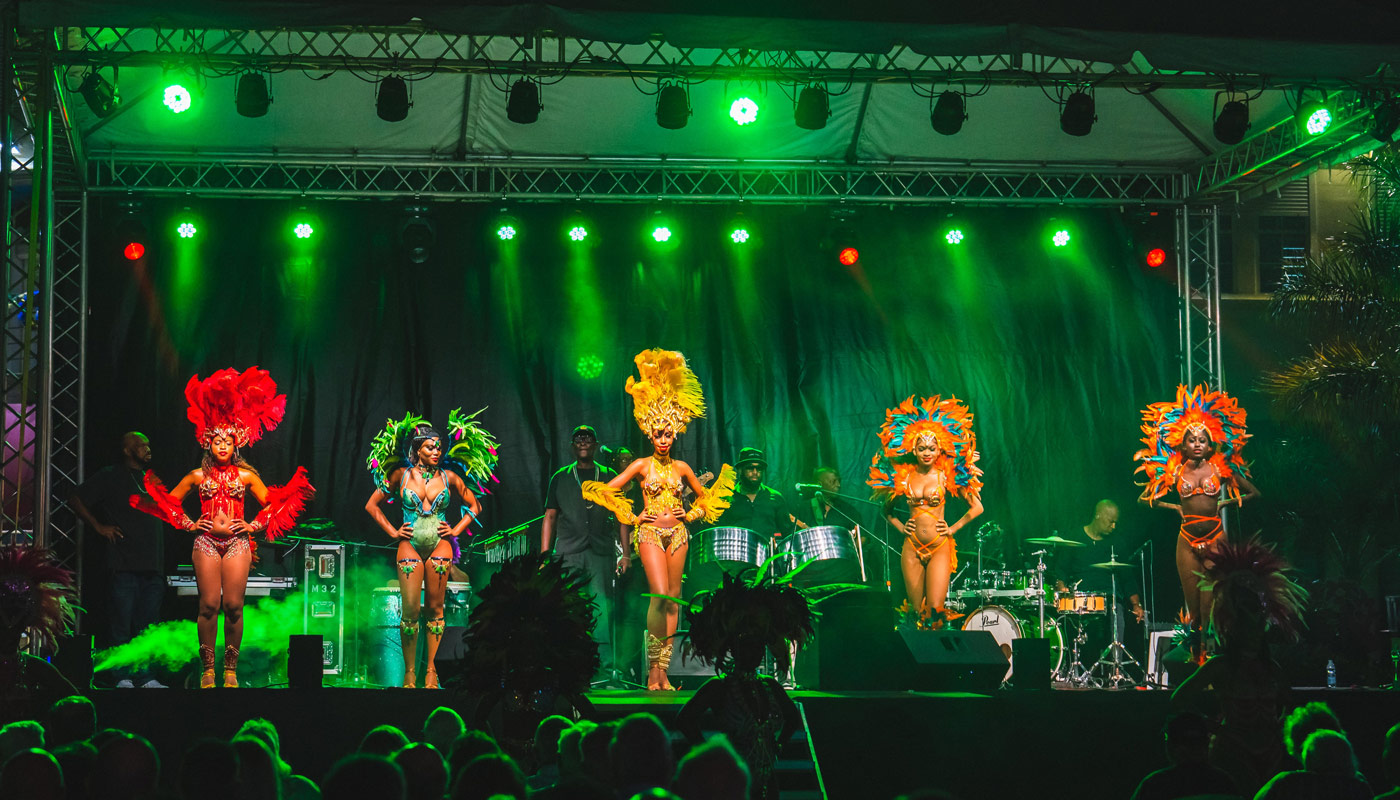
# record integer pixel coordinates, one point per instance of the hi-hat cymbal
(1114, 566)
(1053, 541)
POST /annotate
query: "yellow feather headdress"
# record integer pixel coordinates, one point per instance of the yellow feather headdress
(667, 395)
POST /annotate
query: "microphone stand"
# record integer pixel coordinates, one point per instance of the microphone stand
(889, 549)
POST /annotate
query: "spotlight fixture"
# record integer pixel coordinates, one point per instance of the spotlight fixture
(1077, 115)
(848, 256)
(1313, 117)
(589, 366)
(1385, 118)
(954, 236)
(506, 232)
(391, 101)
(177, 98)
(739, 235)
(523, 102)
(673, 107)
(813, 108)
(417, 234)
(130, 231)
(743, 111)
(251, 97)
(1156, 257)
(949, 113)
(1061, 238)
(1232, 121)
(661, 233)
(100, 94)
(303, 230)
(186, 230)
(578, 233)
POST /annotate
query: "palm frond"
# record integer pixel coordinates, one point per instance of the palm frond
(1341, 292)
(1353, 380)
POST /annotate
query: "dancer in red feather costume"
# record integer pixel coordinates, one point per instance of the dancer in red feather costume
(230, 410)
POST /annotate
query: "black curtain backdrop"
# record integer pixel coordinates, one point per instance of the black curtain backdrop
(1055, 349)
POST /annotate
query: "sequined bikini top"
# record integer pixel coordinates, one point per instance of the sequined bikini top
(437, 508)
(1209, 487)
(926, 501)
(661, 490)
(221, 491)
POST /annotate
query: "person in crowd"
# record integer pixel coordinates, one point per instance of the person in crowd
(294, 787)
(1302, 722)
(640, 755)
(1253, 599)
(585, 535)
(127, 768)
(257, 769)
(424, 771)
(411, 463)
(468, 747)
(383, 740)
(593, 749)
(928, 454)
(362, 775)
(31, 774)
(664, 401)
(1187, 739)
(712, 771)
(209, 771)
(76, 760)
(37, 601)
(731, 628)
(490, 775)
(546, 751)
(1329, 771)
(1193, 446)
(1390, 761)
(135, 548)
(26, 734)
(230, 411)
(71, 719)
(442, 727)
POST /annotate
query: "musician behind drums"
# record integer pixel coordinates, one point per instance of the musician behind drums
(755, 506)
(1073, 573)
(585, 535)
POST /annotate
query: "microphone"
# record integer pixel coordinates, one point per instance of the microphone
(803, 488)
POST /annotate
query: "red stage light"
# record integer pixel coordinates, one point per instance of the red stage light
(134, 251)
(1156, 257)
(849, 256)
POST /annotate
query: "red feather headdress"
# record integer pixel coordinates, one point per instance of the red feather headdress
(244, 405)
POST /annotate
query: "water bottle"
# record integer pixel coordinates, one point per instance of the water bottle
(1331, 674)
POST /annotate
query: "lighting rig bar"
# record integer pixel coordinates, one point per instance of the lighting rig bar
(409, 48)
(620, 180)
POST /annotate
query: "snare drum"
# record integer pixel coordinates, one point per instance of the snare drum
(826, 554)
(1005, 625)
(1081, 603)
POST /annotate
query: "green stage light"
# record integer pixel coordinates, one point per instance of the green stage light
(303, 230)
(1061, 237)
(589, 366)
(178, 98)
(739, 236)
(661, 234)
(1316, 118)
(743, 111)
(186, 230)
(954, 236)
(505, 233)
(578, 233)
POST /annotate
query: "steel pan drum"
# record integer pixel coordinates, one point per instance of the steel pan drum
(715, 551)
(828, 550)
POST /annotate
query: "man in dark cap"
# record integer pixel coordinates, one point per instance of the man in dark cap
(755, 506)
(585, 535)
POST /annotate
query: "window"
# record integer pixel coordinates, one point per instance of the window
(1283, 248)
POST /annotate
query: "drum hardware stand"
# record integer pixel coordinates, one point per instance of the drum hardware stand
(615, 675)
(1115, 658)
(1075, 673)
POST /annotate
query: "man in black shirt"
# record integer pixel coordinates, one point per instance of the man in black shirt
(1073, 570)
(135, 546)
(585, 535)
(755, 506)
(824, 507)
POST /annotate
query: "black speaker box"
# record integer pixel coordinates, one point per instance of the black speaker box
(304, 667)
(1030, 664)
(955, 660)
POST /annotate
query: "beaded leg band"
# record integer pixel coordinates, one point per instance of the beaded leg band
(230, 667)
(408, 627)
(437, 627)
(440, 564)
(206, 660)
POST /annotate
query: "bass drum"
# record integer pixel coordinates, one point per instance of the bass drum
(1005, 625)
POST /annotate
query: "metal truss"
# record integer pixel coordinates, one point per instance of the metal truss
(620, 180)
(418, 47)
(1281, 153)
(1198, 281)
(44, 325)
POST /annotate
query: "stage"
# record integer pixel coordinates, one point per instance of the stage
(1060, 743)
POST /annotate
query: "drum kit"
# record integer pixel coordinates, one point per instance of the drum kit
(1013, 604)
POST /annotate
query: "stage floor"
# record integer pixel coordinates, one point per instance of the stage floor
(1088, 744)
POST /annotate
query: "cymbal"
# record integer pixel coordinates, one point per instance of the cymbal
(1053, 541)
(1114, 566)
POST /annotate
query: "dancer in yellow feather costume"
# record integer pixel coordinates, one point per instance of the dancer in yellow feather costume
(665, 399)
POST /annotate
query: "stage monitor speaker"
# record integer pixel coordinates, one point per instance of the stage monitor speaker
(304, 668)
(855, 647)
(955, 660)
(1030, 664)
(74, 659)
